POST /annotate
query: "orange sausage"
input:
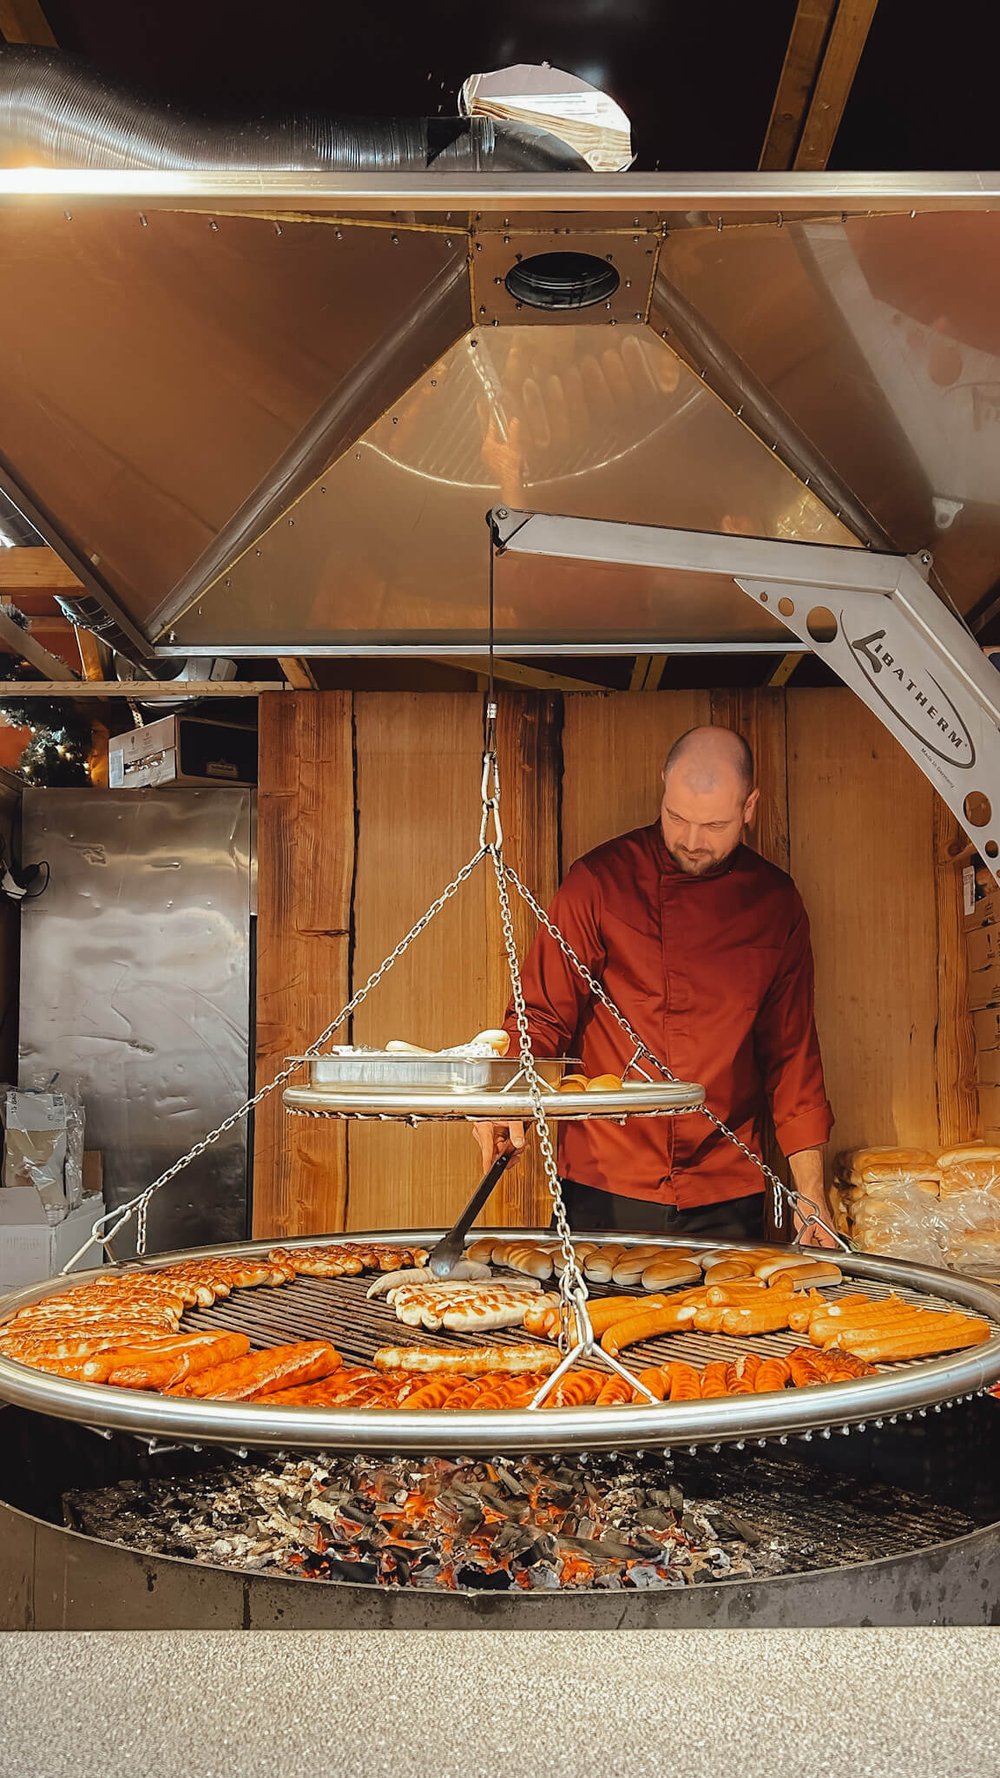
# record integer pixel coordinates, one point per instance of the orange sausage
(772, 1374)
(685, 1382)
(577, 1389)
(923, 1342)
(136, 1370)
(740, 1374)
(647, 1326)
(609, 1309)
(435, 1393)
(242, 1379)
(766, 1317)
(615, 1393)
(657, 1380)
(713, 1380)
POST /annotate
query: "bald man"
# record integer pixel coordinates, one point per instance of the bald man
(704, 947)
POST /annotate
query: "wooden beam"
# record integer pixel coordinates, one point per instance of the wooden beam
(36, 569)
(647, 672)
(784, 670)
(16, 640)
(799, 73)
(516, 673)
(299, 673)
(138, 691)
(95, 655)
(848, 36)
(23, 21)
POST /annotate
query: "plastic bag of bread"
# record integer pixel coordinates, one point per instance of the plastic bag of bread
(974, 1166)
(904, 1222)
(871, 1166)
(842, 1199)
(970, 1222)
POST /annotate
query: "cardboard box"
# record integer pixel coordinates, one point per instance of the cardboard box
(986, 1024)
(983, 947)
(985, 911)
(33, 1250)
(984, 989)
(182, 750)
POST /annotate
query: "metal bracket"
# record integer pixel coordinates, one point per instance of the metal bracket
(869, 615)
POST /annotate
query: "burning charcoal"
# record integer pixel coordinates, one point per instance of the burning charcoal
(509, 1481)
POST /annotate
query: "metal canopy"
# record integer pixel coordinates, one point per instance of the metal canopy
(267, 415)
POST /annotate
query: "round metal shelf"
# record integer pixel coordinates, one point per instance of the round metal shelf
(901, 1389)
(662, 1099)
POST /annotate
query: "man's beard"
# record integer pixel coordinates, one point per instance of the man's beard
(705, 867)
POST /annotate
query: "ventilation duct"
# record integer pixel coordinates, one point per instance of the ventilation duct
(55, 113)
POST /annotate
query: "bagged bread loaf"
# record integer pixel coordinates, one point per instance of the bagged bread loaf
(863, 1166)
(974, 1166)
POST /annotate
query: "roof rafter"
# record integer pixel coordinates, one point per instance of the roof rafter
(23, 21)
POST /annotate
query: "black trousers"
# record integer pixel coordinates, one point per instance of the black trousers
(738, 1219)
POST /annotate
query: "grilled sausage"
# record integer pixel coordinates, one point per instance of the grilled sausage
(473, 1362)
(647, 1325)
(757, 1318)
(243, 1379)
(134, 1369)
(772, 1373)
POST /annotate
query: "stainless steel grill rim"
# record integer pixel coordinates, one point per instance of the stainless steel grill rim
(906, 1389)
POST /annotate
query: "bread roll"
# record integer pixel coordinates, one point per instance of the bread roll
(481, 1251)
(726, 1271)
(667, 1273)
(966, 1152)
(629, 1269)
(573, 1083)
(604, 1083)
(861, 1164)
(600, 1264)
(528, 1257)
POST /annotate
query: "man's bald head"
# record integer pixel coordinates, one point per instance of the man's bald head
(708, 798)
(705, 757)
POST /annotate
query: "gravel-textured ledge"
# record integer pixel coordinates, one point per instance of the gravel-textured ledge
(709, 1704)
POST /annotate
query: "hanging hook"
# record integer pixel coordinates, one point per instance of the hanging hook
(490, 790)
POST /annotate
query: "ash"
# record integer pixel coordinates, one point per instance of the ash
(530, 1523)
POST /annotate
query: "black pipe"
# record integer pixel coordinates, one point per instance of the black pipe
(55, 113)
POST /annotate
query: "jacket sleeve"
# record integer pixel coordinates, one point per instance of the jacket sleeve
(554, 992)
(788, 1047)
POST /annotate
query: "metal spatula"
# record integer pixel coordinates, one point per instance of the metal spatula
(449, 1250)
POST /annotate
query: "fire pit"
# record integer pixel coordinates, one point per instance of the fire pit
(897, 1527)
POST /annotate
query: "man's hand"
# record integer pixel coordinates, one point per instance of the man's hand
(494, 1138)
(807, 1178)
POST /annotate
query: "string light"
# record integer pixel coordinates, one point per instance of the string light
(58, 753)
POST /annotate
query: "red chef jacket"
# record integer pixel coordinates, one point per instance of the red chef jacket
(715, 974)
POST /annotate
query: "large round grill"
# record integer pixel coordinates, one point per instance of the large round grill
(338, 1310)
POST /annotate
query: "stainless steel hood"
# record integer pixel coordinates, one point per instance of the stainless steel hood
(268, 414)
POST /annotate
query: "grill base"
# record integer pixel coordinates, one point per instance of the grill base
(53, 1578)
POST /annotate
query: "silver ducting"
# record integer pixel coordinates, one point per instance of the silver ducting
(55, 113)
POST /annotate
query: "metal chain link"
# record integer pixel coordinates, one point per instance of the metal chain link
(139, 1205)
(572, 1289)
(780, 1192)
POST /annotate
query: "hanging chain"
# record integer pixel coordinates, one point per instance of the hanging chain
(572, 1289)
(780, 1192)
(139, 1205)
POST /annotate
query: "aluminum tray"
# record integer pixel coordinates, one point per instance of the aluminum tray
(902, 1389)
(660, 1099)
(386, 1071)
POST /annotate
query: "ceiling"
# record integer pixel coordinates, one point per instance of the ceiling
(270, 423)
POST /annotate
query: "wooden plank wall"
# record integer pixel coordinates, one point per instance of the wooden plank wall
(369, 805)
